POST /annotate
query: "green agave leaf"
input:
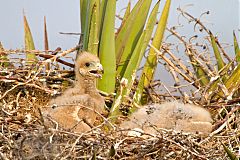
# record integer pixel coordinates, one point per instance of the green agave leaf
(85, 20)
(103, 5)
(211, 91)
(229, 153)
(94, 30)
(131, 37)
(112, 151)
(126, 15)
(220, 62)
(202, 76)
(83, 13)
(200, 72)
(134, 62)
(236, 47)
(3, 57)
(125, 29)
(89, 10)
(29, 43)
(151, 63)
(107, 49)
(94, 156)
(232, 82)
(127, 12)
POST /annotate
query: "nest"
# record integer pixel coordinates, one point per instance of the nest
(24, 136)
(32, 141)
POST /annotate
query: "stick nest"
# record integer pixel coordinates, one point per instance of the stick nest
(23, 135)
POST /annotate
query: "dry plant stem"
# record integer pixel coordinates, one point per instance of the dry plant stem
(179, 62)
(19, 84)
(54, 58)
(47, 56)
(227, 116)
(197, 21)
(26, 83)
(222, 126)
(177, 81)
(60, 77)
(165, 87)
(72, 148)
(185, 149)
(68, 33)
(11, 79)
(41, 88)
(189, 53)
(150, 94)
(188, 47)
(172, 65)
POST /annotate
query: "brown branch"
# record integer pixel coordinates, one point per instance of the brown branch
(55, 57)
(48, 56)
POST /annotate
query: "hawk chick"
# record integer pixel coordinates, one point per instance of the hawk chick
(170, 115)
(79, 107)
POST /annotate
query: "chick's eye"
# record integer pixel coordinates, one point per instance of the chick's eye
(87, 64)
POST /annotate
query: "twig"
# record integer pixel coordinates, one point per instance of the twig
(172, 65)
(197, 21)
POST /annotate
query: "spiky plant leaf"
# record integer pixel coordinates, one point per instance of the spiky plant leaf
(94, 29)
(126, 15)
(125, 29)
(3, 57)
(220, 62)
(107, 49)
(236, 47)
(131, 37)
(200, 72)
(112, 151)
(229, 153)
(29, 43)
(127, 12)
(83, 13)
(151, 63)
(215, 81)
(135, 60)
(232, 83)
(103, 5)
(85, 18)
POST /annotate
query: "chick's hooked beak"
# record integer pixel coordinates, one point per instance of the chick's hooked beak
(97, 71)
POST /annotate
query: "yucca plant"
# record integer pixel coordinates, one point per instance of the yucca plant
(227, 82)
(121, 52)
(230, 154)
(29, 43)
(31, 58)
(219, 84)
(4, 61)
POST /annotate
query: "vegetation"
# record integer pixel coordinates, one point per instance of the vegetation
(214, 82)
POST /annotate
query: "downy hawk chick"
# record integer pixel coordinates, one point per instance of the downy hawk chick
(78, 108)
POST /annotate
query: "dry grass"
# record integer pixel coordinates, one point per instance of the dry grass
(23, 135)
